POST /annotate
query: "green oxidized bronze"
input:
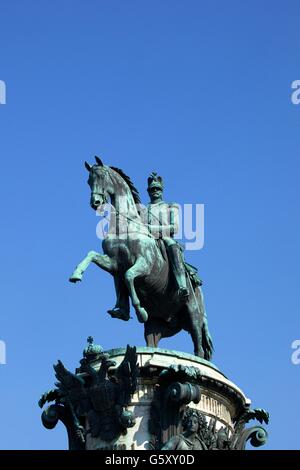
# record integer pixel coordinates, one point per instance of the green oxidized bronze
(197, 434)
(97, 397)
(146, 262)
(155, 399)
(174, 425)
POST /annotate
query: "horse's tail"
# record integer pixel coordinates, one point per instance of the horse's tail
(207, 343)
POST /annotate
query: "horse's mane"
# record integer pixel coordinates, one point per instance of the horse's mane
(126, 178)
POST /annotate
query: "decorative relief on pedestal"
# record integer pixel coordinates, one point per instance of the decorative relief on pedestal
(216, 407)
(214, 428)
(175, 389)
(257, 435)
(197, 434)
(93, 401)
(112, 403)
(144, 392)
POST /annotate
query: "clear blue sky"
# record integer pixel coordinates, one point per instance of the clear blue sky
(198, 91)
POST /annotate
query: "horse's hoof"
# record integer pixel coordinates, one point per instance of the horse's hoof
(119, 313)
(142, 315)
(75, 278)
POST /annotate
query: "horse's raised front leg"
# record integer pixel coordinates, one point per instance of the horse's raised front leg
(103, 261)
(140, 268)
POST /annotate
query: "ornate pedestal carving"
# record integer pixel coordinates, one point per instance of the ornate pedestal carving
(170, 388)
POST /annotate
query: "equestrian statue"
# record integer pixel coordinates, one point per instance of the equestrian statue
(147, 263)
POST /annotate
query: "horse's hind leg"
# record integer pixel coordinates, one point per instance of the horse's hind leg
(195, 320)
(156, 329)
(193, 326)
(140, 268)
(197, 341)
(152, 333)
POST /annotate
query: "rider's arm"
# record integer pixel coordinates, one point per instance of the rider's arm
(167, 222)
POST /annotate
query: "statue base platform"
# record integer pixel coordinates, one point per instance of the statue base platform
(221, 401)
(169, 388)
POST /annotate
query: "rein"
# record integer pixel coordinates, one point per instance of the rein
(118, 213)
(129, 219)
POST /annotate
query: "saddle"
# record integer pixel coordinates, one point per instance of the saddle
(191, 270)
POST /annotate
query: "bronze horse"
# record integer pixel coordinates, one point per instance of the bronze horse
(140, 266)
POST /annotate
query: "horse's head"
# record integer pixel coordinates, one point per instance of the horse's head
(100, 184)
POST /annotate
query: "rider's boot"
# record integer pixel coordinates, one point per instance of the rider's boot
(122, 308)
(120, 313)
(175, 257)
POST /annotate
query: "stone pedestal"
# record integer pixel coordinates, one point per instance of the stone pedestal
(220, 399)
(170, 382)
